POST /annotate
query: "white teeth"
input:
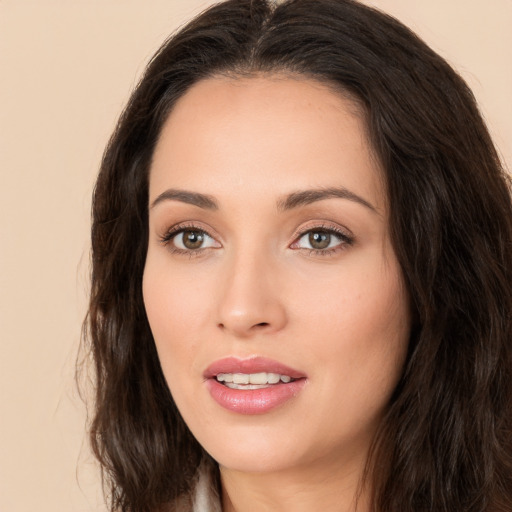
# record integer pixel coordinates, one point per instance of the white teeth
(225, 377)
(273, 378)
(257, 379)
(241, 378)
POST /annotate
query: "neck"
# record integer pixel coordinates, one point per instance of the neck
(322, 486)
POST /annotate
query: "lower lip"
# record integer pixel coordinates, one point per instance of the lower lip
(254, 401)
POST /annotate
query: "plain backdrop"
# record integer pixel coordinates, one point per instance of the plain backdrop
(66, 70)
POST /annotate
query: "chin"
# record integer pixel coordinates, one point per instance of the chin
(252, 451)
(255, 463)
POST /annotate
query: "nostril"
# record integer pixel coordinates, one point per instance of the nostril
(262, 324)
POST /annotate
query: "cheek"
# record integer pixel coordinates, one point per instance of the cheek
(364, 295)
(175, 306)
(360, 325)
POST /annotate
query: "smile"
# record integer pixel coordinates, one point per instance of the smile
(252, 386)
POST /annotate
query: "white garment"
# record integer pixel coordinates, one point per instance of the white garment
(205, 497)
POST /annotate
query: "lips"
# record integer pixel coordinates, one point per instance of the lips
(252, 386)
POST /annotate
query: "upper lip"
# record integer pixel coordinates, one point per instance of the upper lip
(250, 365)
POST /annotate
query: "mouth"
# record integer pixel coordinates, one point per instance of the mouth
(252, 386)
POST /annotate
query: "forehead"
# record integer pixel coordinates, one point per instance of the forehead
(265, 135)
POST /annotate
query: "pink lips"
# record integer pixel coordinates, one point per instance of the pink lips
(255, 401)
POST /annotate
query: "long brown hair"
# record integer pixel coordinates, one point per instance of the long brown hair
(446, 441)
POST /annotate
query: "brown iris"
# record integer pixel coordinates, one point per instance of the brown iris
(193, 239)
(319, 239)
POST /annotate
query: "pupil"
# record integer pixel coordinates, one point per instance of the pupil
(192, 239)
(319, 239)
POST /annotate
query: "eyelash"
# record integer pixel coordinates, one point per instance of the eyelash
(173, 232)
(346, 239)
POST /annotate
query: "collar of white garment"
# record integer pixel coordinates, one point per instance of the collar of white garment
(205, 497)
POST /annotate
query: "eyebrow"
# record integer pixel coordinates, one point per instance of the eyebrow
(289, 202)
(195, 198)
(305, 197)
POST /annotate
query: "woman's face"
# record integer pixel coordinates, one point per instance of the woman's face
(271, 286)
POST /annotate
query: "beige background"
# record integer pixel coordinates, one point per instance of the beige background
(66, 69)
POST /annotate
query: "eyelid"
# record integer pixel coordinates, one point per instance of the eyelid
(171, 232)
(323, 225)
(345, 235)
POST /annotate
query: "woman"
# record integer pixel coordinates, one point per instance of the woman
(301, 274)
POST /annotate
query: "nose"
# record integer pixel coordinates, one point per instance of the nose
(251, 300)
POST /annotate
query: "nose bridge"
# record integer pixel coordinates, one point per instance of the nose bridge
(250, 301)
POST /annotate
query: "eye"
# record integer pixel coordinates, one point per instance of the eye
(189, 239)
(193, 239)
(322, 240)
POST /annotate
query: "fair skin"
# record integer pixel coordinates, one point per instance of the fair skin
(254, 267)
